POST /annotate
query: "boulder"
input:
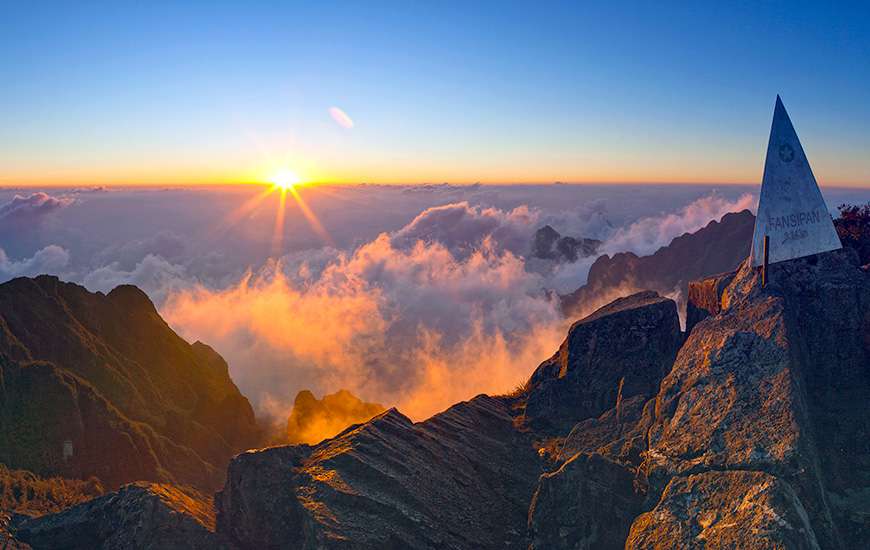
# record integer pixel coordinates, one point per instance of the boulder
(620, 351)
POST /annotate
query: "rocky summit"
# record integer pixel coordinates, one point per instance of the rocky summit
(747, 431)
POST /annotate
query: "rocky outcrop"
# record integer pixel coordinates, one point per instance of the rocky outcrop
(717, 248)
(705, 298)
(138, 516)
(777, 382)
(312, 420)
(99, 385)
(621, 351)
(461, 479)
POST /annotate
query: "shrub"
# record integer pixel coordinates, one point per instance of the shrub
(853, 227)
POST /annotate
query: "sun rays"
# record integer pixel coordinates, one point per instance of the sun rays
(282, 184)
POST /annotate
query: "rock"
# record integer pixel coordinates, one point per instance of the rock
(620, 351)
(138, 516)
(588, 503)
(619, 433)
(461, 479)
(725, 509)
(778, 382)
(705, 298)
(99, 385)
(312, 420)
(717, 248)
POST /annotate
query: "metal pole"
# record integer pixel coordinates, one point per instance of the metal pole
(764, 265)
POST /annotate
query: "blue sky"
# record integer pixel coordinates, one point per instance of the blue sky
(123, 92)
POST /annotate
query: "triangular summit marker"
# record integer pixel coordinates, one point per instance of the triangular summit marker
(791, 210)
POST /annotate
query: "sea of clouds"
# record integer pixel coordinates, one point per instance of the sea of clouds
(417, 297)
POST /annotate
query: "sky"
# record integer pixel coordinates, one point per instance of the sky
(410, 92)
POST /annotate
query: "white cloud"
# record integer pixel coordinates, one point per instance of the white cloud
(49, 260)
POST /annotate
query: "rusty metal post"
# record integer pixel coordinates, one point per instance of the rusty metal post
(766, 258)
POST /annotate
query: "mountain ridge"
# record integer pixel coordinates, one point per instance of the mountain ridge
(98, 384)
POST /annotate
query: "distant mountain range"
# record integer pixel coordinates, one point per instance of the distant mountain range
(717, 248)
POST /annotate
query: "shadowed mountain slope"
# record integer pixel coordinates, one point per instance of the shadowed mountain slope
(99, 385)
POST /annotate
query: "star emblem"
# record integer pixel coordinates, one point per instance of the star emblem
(786, 152)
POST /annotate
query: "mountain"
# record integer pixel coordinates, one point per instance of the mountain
(312, 420)
(549, 244)
(96, 384)
(747, 431)
(719, 247)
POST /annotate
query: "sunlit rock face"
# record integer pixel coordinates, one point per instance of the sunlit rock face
(778, 382)
(732, 509)
(312, 420)
(96, 384)
(621, 351)
(705, 298)
(461, 479)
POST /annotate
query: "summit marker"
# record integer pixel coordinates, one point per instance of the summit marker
(791, 210)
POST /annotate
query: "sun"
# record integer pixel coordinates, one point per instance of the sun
(285, 179)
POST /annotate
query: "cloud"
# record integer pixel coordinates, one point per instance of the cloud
(435, 312)
(427, 299)
(153, 274)
(33, 207)
(165, 244)
(463, 228)
(414, 325)
(341, 118)
(49, 260)
(312, 420)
